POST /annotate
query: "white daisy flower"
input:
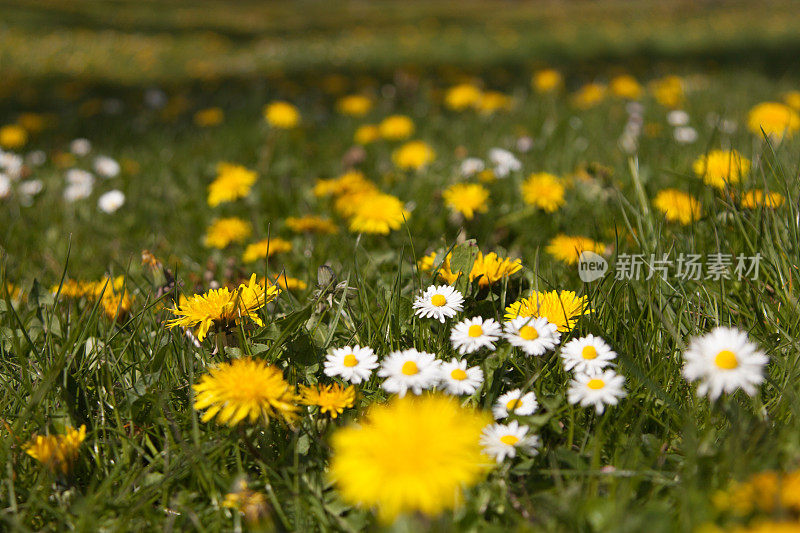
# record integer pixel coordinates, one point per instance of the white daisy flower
(111, 201)
(458, 379)
(723, 361)
(599, 389)
(351, 364)
(5, 186)
(439, 302)
(472, 334)
(106, 167)
(534, 336)
(587, 354)
(471, 166)
(513, 402)
(504, 162)
(409, 370)
(80, 147)
(503, 440)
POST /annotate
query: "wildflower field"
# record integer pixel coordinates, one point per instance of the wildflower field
(403, 266)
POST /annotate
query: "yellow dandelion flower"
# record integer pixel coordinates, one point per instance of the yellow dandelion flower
(281, 115)
(668, 91)
(350, 181)
(13, 137)
(547, 80)
(378, 213)
(224, 231)
(487, 176)
(331, 399)
(288, 283)
(212, 116)
(366, 134)
(32, 122)
(413, 155)
(415, 454)
(232, 182)
(544, 191)
(493, 101)
(396, 128)
(245, 389)
(489, 269)
(589, 95)
(462, 96)
(760, 198)
(265, 248)
(719, 168)
(792, 99)
(311, 224)
(355, 105)
(625, 86)
(467, 199)
(562, 308)
(426, 262)
(776, 119)
(677, 206)
(57, 452)
(568, 248)
(252, 504)
(221, 308)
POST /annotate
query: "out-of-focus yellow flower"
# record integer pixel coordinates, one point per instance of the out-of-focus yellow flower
(720, 168)
(396, 127)
(668, 91)
(378, 213)
(311, 224)
(232, 182)
(349, 182)
(355, 105)
(547, 80)
(792, 99)
(32, 122)
(589, 95)
(224, 231)
(366, 134)
(677, 206)
(57, 452)
(625, 86)
(568, 248)
(13, 137)
(544, 191)
(760, 198)
(331, 399)
(462, 96)
(492, 101)
(467, 199)
(265, 248)
(252, 504)
(211, 116)
(281, 115)
(413, 155)
(776, 120)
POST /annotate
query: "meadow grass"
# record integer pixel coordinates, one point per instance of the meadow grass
(655, 461)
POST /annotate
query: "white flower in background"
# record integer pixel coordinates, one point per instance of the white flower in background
(634, 109)
(600, 389)
(472, 334)
(80, 185)
(524, 144)
(471, 166)
(439, 302)
(587, 354)
(409, 370)
(514, 402)
(155, 98)
(111, 201)
(28, 189)
(534, 336)
(106, 167)
(504, 162)
(11, 164)
(36, 158)
(351, 364)
(458, 379)
(5, 186)
(685, 134)
(80, 147)
(77, 176)
(722, 361)
(677, 118)
(503, 440)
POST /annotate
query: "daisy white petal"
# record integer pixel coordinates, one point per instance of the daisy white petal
(534, 336)
(458, 379)
(409, 370)
(514, 402)
(597, 389)
(439, 302)
(351, 364)
(503, 440)
(587, 354)
(472, 334)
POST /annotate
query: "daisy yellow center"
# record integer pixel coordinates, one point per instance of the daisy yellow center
(350, 360)
(458, 374)
(438, 300)
(513, 404)
(596, 384)
(589, 352)
(509, 440)
(726, 360)
(409, 368)
(529, 333)
(475, 330)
